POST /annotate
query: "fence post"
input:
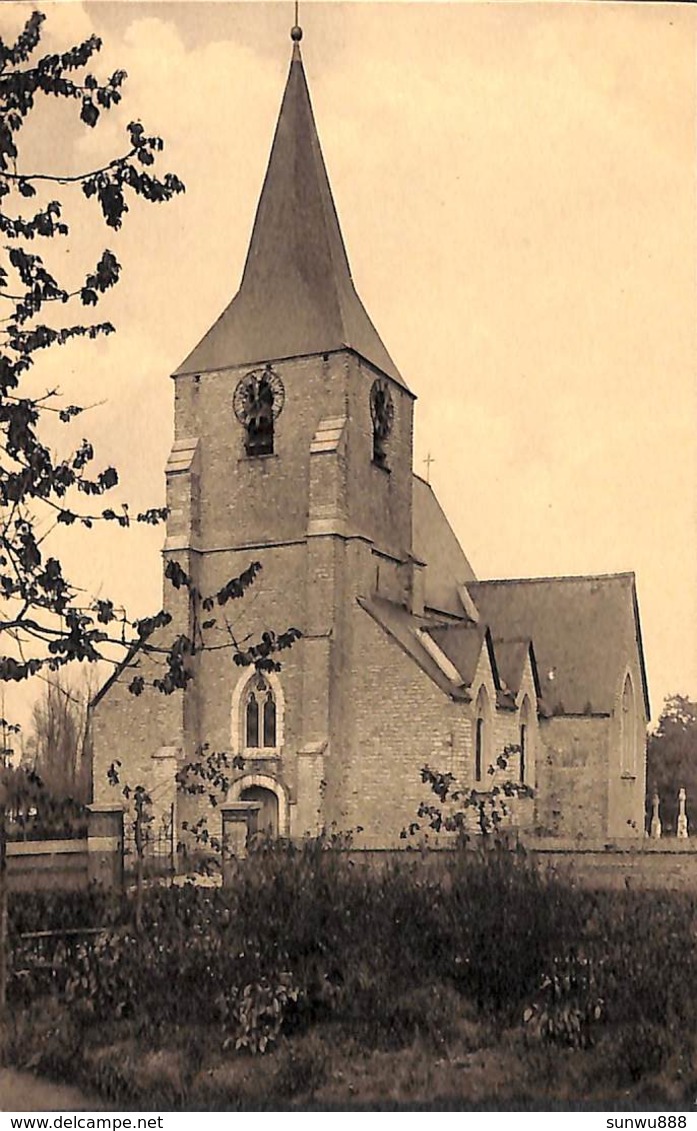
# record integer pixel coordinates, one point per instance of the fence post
(240, 823)
(105, 845)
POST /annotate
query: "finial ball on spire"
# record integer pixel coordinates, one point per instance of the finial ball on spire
(296, 33)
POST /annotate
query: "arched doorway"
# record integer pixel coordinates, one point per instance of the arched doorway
(268, 814)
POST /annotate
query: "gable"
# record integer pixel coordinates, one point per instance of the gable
(585, 630)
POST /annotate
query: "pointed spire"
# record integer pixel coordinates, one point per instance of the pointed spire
(296, 296)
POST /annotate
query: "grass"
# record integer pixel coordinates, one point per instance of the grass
(328, 1069)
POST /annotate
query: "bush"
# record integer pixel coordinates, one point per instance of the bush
(62, 910)
(569, 1004)
(254, 1015)
(506, 922)
(483, 924)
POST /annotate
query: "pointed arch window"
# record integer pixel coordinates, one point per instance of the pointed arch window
(481, 735)
(628, 728)
(260, 716)
(525, 737)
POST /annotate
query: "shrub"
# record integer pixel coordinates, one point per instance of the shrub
(390, 953)
(568, 1005)
(506, 922)
(63, 910)
(254, 1015)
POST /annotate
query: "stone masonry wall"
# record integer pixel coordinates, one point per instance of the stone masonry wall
(627, 786)
(572, 776)
(400, 722)
(132, 729)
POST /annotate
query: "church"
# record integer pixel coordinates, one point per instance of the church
(293, 448)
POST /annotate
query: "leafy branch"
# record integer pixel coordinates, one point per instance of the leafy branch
(457, 805)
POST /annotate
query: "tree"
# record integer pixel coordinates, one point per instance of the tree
(46, 620)
(672, 759)
(46, 624)
(57, 746)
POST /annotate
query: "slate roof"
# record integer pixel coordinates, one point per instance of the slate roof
(435, 542)
(583, 629)
(296, 296)
(511, 656)
(462, 644)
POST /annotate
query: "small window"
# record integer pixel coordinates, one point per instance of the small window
(252, 721)
(523, 744)
(269, 727)
(481, 735)
(479, 749)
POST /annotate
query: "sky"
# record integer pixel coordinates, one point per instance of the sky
(516, 189)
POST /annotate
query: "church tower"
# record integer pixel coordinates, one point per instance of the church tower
(293, 448)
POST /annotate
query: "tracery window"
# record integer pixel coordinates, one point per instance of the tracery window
(260, 716)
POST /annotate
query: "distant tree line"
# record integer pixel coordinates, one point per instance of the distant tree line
(672, 761)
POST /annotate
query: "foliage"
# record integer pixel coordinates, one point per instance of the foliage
(254, 1014)
(34, 812)
(671, 761)
(47, 624)
(461, 810)
(305, 944)
(478, 925)
(63, 910)
(568, 1006)
(58, 744)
